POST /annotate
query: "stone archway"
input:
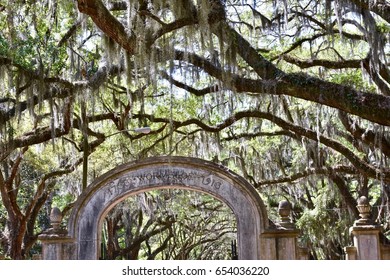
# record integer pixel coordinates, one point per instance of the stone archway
(167, 172)
(258, 238)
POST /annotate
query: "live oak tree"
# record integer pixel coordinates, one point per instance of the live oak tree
(169, 224)
(293, 95)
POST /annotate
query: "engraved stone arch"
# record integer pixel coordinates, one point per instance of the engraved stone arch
(103, 194)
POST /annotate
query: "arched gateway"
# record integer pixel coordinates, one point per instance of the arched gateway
(256, 239)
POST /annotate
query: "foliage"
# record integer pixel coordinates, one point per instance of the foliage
(169, 224)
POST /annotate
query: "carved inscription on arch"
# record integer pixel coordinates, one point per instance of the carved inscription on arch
(168, 176)
(207, 180)
(162, 177)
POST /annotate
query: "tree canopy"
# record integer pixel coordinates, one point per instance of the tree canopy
(293, 95)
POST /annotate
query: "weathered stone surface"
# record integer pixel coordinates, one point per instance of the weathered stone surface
(350, 253)
(366, 241)
(385, 250)
(283, 243)
(57, 247)
(169, 172)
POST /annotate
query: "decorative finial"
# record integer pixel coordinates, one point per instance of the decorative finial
(55, 218)
(364, 209)
(284, 210)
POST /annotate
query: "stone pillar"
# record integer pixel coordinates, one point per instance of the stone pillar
(385, 252)
(56, 244)
(365, 235)
(350, 253)
(284, 237)
(303, 254)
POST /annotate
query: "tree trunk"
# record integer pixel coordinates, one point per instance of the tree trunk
(18, 229)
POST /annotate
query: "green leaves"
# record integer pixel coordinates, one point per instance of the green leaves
(352, 78)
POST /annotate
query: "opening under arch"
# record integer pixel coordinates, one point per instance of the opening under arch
(169, 224)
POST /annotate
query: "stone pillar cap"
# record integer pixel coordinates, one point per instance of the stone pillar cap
(364, 209)
(55, 222)
(363, 200)
(284, 210)
(284, 204)
(55, 215)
